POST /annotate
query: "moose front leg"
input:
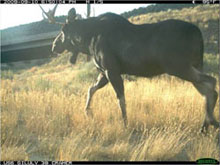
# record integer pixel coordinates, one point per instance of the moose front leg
(101, 82)
(117, 83)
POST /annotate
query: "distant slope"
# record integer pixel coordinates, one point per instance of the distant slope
(155, 8)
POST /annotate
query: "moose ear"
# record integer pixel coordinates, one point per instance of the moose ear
(71, 15)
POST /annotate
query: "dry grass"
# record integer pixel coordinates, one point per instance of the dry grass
(42, 114)
(196, 14)
(42, 118)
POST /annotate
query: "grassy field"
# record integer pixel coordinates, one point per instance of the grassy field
(42, 109)
(42, 116)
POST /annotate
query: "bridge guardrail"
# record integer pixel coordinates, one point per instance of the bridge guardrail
(27, 47)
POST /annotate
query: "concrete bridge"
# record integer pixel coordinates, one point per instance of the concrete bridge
(27, 47)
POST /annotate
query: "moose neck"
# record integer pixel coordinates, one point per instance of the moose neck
(88, 33)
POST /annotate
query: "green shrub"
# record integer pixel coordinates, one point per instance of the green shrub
(62, 59)
(7, 74)
(211, 63)
(43, 84)
(87, 75)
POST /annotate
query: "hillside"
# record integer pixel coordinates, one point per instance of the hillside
(155, 8)
(42, 116)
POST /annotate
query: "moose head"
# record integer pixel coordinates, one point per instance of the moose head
(63, 42)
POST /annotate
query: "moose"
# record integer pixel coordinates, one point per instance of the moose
(119, 47)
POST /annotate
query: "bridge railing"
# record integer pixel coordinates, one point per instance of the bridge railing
(28, 41)
(27, 47)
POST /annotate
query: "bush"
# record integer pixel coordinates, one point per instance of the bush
(211, 64)
(7, 74)
(88, 73)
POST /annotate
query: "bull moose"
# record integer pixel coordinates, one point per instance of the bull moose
(119, 47)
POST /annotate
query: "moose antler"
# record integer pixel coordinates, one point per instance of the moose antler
(50, 15)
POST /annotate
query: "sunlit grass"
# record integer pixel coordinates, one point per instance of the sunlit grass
(42, 118)
(201, 13)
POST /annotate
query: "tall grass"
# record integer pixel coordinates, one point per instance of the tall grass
(43, 118)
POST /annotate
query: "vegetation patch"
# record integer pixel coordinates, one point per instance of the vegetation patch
(43, 117)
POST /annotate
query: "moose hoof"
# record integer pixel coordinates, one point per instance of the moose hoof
(206, 125)
(204, 128)
(125, 123)
(88, 113)
(215, 124)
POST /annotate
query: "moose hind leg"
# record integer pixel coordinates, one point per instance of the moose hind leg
(117, 83)
(101, 82)
(206, 86)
